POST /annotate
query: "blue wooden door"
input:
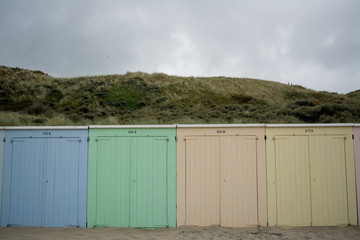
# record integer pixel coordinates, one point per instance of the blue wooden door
(61, 182)
(26, 183)
(44, 182)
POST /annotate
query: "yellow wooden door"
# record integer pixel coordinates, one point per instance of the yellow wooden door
(328, 181)
(293, 205)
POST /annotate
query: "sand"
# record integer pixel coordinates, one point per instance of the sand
(212, 232)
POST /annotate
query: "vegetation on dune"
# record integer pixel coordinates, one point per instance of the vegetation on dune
(34, 98)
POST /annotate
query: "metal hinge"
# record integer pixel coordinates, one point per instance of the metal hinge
(13, 225)
(101, 139)
(342, 137)
(247, 138)
(4, 140)
(72, 226)
(265, 137)
(353, 137)
(175, 138)
(190, 138)
(162, 139)
(88, 139)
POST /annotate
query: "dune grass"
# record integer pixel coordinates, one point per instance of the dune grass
(34, 98)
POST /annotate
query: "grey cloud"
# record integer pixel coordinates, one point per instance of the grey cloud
(312, 43)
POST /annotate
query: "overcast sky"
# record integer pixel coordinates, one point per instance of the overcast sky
(314, 43)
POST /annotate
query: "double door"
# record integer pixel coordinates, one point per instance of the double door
(41, 183)
(131, 183)
(221, 181)
(311, 183)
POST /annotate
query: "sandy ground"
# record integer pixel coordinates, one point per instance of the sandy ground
(212, 232)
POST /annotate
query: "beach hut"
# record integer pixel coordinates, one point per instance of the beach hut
(310, 175)
(132, 176)
(2, 136)
(356, 135)
(221, 175)
(44, 177)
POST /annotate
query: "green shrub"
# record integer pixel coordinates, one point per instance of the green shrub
(53, 97)
(58, 120)
(9, 119)
(241, 98)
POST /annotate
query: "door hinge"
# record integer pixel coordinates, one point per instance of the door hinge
(353, 137)
(88, 139)
(101, 139)
(175, 138)
(265, 137)
(4, 140)
(13, 225)
(162, 139)
(72, 226)
(190, 138)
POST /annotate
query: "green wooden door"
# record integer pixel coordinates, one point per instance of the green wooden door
(132, 180)
(149, 192)
(113, 182)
